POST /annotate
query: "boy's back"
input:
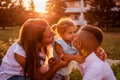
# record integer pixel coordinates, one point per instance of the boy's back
(88, 39)
(95, 69)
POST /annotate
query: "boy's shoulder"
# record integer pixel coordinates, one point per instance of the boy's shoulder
(96, 62)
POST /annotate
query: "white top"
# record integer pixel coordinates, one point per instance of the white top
(68, 50)
(95, 69)
(9, 66)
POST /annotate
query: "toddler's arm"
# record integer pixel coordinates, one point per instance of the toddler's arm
(78, 58)
(60, 52)
(67, 57)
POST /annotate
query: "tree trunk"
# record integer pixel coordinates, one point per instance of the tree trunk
(3, 27)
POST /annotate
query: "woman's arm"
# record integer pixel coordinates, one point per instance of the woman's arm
(59, 64)
(20, 59)
(43, 76)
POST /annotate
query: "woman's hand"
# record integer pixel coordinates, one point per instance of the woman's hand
(101, 53)
(52, 61)
(61, 63)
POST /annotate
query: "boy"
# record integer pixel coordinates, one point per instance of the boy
(87, 40)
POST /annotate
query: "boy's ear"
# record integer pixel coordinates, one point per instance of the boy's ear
(80, 44)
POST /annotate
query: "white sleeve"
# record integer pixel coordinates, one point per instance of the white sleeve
(94, 73)
(19, 50)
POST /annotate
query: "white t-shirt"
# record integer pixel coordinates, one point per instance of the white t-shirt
(68, 50)
(10, 67)
(95, 69)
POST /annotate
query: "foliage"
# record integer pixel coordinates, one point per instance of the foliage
(4, 47)
(116, 70)
(103, 14)
(12, 14)
(56, 9)
(75, 75)
(57, 6)
(4, 7)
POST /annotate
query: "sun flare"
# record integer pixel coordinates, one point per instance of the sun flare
(39, 5)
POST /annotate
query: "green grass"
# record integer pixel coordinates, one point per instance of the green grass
(75, 75)
(116, 70)
(9, 33)
(111, 44)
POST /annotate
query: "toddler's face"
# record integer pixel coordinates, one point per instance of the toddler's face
(69, 35)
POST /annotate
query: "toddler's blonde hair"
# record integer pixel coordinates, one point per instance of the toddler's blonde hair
(63, 24)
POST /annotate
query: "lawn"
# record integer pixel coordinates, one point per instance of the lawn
(9, 33)
(111, 45)
(111, 42)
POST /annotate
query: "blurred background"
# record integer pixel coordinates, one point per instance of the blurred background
(101, 13)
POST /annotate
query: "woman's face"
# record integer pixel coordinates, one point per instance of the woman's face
(48, 37)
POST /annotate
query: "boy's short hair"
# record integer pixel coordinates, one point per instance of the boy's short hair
(95, 31)
(91, 37)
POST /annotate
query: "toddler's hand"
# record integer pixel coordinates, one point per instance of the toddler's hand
(80, 59)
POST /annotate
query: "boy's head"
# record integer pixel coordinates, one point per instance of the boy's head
(88, 38)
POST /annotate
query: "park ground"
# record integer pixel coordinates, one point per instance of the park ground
(111, 44)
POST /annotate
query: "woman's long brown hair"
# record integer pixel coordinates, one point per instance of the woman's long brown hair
(31, 35)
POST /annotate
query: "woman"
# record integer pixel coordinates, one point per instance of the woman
(27, 57)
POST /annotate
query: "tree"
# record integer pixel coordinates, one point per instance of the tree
(12, 14)
(5, 12)
(101, 13)
(9, 13)
(56, 9)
